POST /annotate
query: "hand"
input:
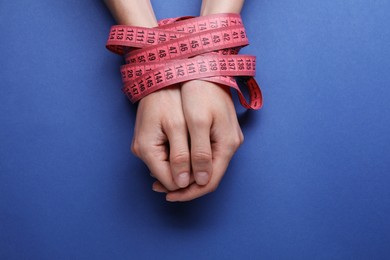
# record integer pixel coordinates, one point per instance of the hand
(161, 138)
(215, 136)
(165, 117)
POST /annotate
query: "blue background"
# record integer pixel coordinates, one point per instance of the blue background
(311, 180)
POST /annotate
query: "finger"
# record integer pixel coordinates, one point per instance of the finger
(156, 159)
(201, 155)
(199, 122)
(194, 191)
(222, 154)
(158, 187)
(179, 154)
(151, 147)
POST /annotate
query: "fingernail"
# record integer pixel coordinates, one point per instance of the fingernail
(202, 178)
(170, 199)
(183, 179)
(157, 189)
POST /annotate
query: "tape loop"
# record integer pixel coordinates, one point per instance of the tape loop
(182, 49)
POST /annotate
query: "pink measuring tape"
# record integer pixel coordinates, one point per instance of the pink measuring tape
(182, 49)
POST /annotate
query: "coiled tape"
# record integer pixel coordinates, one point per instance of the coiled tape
(182, 49)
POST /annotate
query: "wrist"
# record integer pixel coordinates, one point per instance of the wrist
(134, 13)
(221, 6)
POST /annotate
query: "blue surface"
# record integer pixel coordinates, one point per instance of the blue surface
(310, 182)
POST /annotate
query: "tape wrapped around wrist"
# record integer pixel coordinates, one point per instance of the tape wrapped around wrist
(182, 49)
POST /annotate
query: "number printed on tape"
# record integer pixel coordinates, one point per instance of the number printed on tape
(182, 49)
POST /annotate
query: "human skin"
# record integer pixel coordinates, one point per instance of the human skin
(197, 120)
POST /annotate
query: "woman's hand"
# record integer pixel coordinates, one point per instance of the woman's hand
(215, 135)
(200, 115)
(161, 138)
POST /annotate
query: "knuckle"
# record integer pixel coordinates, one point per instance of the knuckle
(201, 156)
(235, 142)
(241, 137)
(135, 149)
(200, 121)
(180, 158)
(140, 150)
(232, 144)
(175, 123)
